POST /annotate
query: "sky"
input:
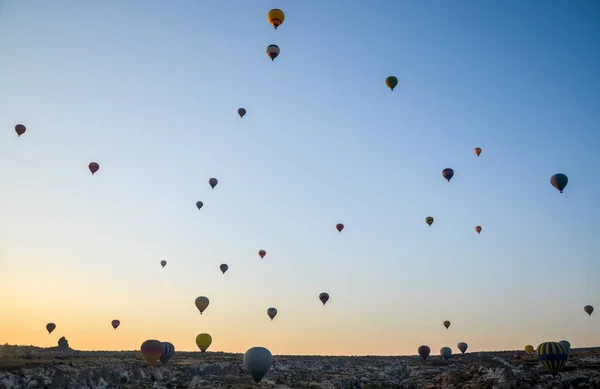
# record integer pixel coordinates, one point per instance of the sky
(149, 89)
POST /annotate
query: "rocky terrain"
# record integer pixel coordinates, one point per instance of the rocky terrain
(61, 367)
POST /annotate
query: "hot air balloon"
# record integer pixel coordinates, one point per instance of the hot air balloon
(223, 267)
(588, 309)
(446, 324)
(448, 174)
(93, 166)
(203, 341)
(50, 327)
(446, 352)
(529, 349)
(424, 352)
(478, 229)
(152, 350)
(462, 346)
(559, 181)
(168, 351)
(566, 345)
(257, 361)
(273, 51)
(20, 129)
(213, 182)
(429, 220)
(262, 253)
(552, 356)
(324, 297)
(339, 227)
(163, 263)
(276, 17)
(115, 323)
(272, 312)
(241, 112)
(391, 82)
(517, 355)
(477, 151)
(201, 303)
(200, 204)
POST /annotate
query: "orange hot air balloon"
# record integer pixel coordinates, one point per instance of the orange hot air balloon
(477, 151)
(115, 323)
(262, 253)
(339, 227)
(446, 324)
(478, 229)
(93, 166)
(50, 327)
(152, 350)
(275, 17)
(20, 129)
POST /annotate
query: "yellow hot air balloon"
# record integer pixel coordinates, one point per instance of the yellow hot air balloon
(529, 349)
(203, 341)
(276, 17)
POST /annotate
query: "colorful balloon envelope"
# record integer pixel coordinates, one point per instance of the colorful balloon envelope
(424, 352)
(93, 166)
(477, 151)
(201, 303)
(391, 82)
(20, 129)
(529, 349)
(273, 51)
(552, 356)
(429, 220)
(275, 17)
(168, 351)
(559, 181)
(151, 351)
(339, 227)
(203, 341)
(50, 327)
(115, 323)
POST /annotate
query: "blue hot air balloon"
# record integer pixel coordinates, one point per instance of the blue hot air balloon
(552, 356)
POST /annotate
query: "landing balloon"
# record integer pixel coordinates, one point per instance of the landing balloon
(241, 112)
(559, 181)
(201, 303)
(50, 327)
(429, 220)
(20, 129)
(262, 253)
(424, 352)
(529, 349)
(552, 356)
(339, 227)
(168, 351)
(257, 361)
(203, 341)
(276, 17)
(446, 324)
(566, 345)
(448, 174)
(223, 267)
(272, 312)
(213, 182)
(273, 51)
(446, 352)
(324, 297)
(115, 323)
(151, 351)
(477, 151)
(391, 82)
(93, 166)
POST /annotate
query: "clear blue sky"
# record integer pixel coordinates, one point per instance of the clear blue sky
(150, 89)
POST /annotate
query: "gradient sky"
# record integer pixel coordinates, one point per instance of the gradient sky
(150, 89)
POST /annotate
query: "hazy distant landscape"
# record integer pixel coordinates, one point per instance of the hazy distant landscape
(34, 367)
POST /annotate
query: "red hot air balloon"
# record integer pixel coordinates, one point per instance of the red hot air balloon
(339, 227)
(115, 323)
(20, 129)
(262, 253)
(424, 352)
(93, 166)
(478, 229)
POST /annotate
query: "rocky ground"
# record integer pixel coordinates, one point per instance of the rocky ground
(32, 367)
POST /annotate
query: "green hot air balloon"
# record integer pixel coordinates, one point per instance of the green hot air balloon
(391, 82)
(559, 181)
(552, 356)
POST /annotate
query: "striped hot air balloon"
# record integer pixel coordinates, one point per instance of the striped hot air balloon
(168, 351)
(552, 356)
